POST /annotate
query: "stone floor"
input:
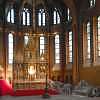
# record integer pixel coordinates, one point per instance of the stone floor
(55, 97)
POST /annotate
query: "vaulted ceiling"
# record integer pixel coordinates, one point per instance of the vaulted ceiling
(74, 5)
(55, 2)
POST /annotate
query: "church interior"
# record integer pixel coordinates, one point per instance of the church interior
(49, 40)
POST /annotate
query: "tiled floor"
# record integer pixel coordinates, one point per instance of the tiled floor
(57, 97)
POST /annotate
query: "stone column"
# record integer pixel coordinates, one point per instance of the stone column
(75, 55)
(62, 56)
(5, 54)
(91, 40)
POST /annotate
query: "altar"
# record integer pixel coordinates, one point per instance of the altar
(27, 76)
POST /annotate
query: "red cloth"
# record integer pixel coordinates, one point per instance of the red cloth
(5, 87)
(33, 92)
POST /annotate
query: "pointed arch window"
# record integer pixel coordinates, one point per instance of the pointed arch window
(88, 41)
(10, 48)
(69, 47)
(26, 17)
(10, 16)
(41, 17)
(26, 39)
(68, 15)
(98, 37)
(92, 3)
(42, 43)
(56, 17)
(57, 49)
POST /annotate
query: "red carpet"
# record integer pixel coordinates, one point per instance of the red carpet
(6, 89)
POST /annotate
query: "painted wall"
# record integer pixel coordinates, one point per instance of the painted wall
(1, 48)
(1, 55)
(91, 75)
